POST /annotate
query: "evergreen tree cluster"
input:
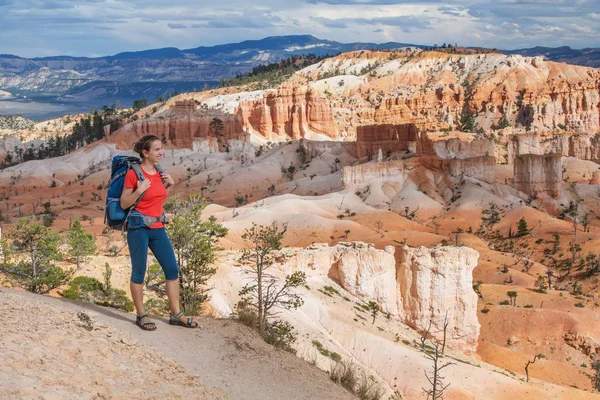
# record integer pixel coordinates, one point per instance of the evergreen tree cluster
(87, 130)
(273, 73)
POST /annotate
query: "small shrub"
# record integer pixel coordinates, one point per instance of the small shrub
(486, 310)
(528, 306)
(246, 314)
(368, 388)
(580, 305)
(281, 335)
(504, 303)
(344, 374)
(91, 290)
(157, 307)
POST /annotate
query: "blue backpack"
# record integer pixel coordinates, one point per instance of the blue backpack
(115, 217)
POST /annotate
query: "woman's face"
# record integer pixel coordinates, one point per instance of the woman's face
(155, 153)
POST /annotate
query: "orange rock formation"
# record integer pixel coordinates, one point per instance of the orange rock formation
(292, 111)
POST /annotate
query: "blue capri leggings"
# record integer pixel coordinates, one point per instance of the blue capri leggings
(139, 240)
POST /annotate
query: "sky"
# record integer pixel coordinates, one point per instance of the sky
(93, 28)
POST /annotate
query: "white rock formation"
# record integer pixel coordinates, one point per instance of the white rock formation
(435, 283)
(425, 285)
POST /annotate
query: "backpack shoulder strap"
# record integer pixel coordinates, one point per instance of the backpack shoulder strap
(138, 171)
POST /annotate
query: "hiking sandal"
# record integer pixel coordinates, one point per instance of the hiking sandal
(174, 320)
(146, 326)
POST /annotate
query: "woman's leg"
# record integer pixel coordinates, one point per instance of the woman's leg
(163, 251)
(137, 240)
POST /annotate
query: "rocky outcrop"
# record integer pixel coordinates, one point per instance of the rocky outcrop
(180, 131)
(455, 147)
(240, 150)
(582, 146)
(481, 168)
(425, 285)
(437, 284)
(585, 344)
(536, 174)
(291, 111)
(432, 91)
(372, 172)
(385, 138)
(585, 147)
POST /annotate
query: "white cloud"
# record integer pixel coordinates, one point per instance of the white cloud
(85, 27)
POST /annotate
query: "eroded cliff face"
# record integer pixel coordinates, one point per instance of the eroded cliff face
(180, 130)
(582, 146)
(291, 111)
(385, 138)
(417, 285)
(433, 89)
(437, 284)
(535, 174)
(585, 147)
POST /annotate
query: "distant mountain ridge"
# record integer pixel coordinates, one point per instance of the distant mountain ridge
(589, 57)
(153, 72)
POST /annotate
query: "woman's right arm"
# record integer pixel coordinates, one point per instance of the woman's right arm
(130, 195)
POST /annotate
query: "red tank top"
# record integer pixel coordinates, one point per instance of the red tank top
(151, 203)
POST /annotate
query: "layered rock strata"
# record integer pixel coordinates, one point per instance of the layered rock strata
(455, 147)
(386, 138)
(433, 90)
(182, 131)
(291, 111)
(536, 174)
(417, 285)
(481, 168)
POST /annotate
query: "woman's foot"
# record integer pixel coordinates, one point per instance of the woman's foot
(144, 322)
(182, 320)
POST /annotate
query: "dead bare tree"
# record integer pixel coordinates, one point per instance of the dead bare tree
(435, 379)
(446, 322)
(538, 356)
(425, 336)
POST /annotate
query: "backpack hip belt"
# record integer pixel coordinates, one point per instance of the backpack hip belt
(138, 220)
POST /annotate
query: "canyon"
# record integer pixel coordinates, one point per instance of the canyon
(385, 200)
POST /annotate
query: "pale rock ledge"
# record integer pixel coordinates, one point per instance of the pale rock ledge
(417, 285)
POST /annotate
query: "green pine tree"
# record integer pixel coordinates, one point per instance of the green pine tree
(81, 244)
(194, 243)
(39, 247)
(522, 228)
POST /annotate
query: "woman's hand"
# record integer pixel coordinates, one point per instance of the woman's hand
(167, 180)
(130, 196)
(142, 186)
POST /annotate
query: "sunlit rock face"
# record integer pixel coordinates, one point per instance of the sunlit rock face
(535, 174)
(291, 111)
(417, 285)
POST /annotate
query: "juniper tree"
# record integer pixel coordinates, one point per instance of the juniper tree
(512, 295)
(596, 376)
(374, 308)
(265, 293)
(40, 247)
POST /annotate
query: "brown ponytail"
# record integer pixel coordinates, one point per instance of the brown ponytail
(145, 143)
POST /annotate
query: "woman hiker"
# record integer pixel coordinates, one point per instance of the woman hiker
(146, 229)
